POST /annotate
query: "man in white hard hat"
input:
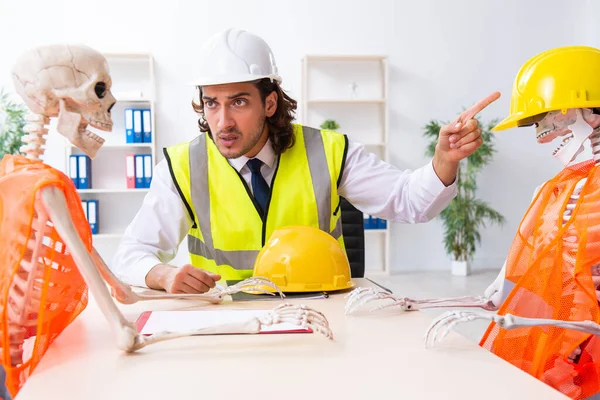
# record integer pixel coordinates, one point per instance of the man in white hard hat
(252, 170)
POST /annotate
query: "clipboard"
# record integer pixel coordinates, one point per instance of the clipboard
(150, 322)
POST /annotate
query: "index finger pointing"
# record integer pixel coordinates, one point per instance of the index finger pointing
(477, 107)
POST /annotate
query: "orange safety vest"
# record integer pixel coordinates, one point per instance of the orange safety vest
(551, 278)
(62, 291)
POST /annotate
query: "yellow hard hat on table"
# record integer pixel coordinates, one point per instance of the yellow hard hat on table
(304, 259)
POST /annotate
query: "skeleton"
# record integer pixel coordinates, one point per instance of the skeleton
(573, 127)
(73, 84)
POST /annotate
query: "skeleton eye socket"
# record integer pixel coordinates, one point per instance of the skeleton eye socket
(100, 89)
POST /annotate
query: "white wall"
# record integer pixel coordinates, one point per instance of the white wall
(443, 55)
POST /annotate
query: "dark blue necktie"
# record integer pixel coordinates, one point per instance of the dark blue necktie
(260, 188)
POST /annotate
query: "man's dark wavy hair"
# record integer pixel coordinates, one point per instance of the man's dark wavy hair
(281, 131)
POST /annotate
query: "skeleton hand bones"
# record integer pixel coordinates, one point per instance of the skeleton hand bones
(361, 296)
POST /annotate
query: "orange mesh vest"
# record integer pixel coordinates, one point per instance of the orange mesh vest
(550, 276)
(61, 290)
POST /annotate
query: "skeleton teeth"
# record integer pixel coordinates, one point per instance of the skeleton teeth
(101, 125)
(541, 135)
(95, 137)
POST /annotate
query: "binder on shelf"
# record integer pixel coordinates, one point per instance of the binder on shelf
(84, 172)
(382, 223)
(369, 222)
(130, 170)
(73, 166)
(93, 215)
(137, 126)
(147, 126)
(139, 171)
(129, 125)
(84, 206)
(147, 170)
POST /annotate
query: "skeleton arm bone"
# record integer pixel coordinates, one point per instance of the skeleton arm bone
(56, 206)
(128, 339)
(490, 301)
(125, 295)
(442, 325)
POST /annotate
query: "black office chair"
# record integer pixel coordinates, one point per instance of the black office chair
(353, 229)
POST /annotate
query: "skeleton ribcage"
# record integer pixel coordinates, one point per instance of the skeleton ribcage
(41, 289)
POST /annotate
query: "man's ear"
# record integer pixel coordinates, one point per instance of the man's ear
(271, 104)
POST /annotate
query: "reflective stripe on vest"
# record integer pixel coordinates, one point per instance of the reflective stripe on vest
(200, 198)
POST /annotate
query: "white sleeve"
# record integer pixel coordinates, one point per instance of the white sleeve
(384, 191)
(156, 231)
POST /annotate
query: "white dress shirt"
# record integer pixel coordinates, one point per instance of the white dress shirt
(371, 185)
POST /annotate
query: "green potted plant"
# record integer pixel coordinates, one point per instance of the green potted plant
(330, 125)
(12, 121)
(466, 215)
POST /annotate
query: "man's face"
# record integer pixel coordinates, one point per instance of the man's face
(236, 116)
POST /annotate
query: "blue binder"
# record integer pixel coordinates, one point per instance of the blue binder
(93, 215)
(84, 206)
(129, 125)
(73, 167)
(84, 172)
(139, 171)
(147, 170)
(146, 126)
(137, 126)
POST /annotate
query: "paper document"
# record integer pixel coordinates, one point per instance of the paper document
(151, 322)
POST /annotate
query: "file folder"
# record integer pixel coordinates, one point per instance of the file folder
(137, 126)
(139, 171)
(130, 170)
(85, 172)
(147, 170)
(147, 126)
(73, 167)
(93, 215)
(129, 125)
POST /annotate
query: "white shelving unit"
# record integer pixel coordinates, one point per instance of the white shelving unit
(133, 87)
(353, 91)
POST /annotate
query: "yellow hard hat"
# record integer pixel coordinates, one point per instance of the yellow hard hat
(557, 79)
(304, 259)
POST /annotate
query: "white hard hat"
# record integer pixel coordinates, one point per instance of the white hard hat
(236, 56)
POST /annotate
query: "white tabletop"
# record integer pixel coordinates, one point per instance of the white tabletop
(374, 356)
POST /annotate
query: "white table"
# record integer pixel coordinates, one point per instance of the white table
(374, 356)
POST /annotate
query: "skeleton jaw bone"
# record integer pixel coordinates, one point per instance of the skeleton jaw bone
(571, 126)
(73, 126)
(361, 296)
(128, 339)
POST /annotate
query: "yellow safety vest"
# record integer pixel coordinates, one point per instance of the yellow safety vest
(228, 231)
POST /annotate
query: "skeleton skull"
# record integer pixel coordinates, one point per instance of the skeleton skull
(574, 126)
(69, 82)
